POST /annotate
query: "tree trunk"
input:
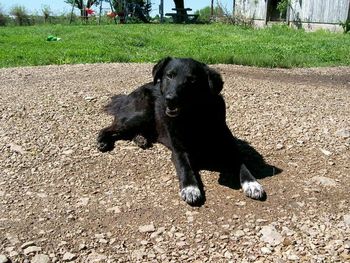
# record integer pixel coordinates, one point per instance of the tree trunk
(181, 12)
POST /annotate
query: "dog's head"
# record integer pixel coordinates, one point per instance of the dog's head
(184, 81)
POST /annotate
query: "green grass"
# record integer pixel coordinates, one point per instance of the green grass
(272, 47)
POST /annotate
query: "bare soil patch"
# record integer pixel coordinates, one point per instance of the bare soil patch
(63, 201)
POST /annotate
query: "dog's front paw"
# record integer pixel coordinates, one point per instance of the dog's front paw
(254, 190)
(105, 146)
(191, 194)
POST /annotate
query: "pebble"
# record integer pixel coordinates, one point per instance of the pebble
(96, 257)
(114, 209)
(347, 219)
(27, 244)
(147, 228)
(4, 259)
(90, 98)
(326, 152)
(325, 181)
(181, 244)
(344, 133)
(31, 249)
(138, 254)
(228, 255)
(68, 152)
(239, 233)
(265, 250)
(279, 146)
(16, 148)
(40, 258)
(69, 257)
(270, 235)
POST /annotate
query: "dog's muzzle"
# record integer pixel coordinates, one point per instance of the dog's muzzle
(172, 109)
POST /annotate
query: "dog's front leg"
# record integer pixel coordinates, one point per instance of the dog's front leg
(189, 187)
(106, 138)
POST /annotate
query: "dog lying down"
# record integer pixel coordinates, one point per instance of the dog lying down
(182, 109)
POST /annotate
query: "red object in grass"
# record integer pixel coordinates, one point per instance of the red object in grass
(89, 11)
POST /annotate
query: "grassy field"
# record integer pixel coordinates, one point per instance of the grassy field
(273, 47)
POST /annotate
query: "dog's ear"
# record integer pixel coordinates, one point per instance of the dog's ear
(157, 71)
(215, 81)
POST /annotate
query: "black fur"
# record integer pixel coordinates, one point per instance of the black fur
(182, 109)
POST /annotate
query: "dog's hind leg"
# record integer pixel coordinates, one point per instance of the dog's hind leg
(250, 185)
(128, 127)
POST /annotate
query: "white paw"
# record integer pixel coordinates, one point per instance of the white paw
(253, 190)
(191, 194)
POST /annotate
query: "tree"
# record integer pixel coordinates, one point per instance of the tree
(46, 12)
(20, 14)
(82, 6)
(207, 13)
(180, 10)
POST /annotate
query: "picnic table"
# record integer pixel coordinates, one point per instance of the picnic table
(181, 15)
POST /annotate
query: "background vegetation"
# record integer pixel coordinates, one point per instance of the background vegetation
(278, 46)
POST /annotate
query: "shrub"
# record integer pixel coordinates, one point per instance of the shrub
(3, 18)
(20, 14)
(345, 25)
(46, 11)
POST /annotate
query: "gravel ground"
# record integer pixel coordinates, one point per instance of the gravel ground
(63, 201)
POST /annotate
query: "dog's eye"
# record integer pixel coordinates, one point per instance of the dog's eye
(170, 75)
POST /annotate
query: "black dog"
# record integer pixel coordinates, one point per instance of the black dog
(183, 110)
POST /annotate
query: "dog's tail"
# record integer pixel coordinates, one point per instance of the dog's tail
(113, 107)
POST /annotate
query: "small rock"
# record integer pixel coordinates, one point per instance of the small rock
(241, 203)
(147, 228)
(90, 98)
(347, 219)
(28, 244)
(344, 133)
(138, 254)
(69, 257)
(279, 146)
(181, 244)
(293, 257)
(12, 238)
(326, 152)
(345, 256)
(82, 246)
(13, 254)
(40, 258)
(83, 201)
(16, 148)
(31, 249)
(325, 181)
(228, 255)
(114, 209)
(68, 152)
(96, 257)
(347, 245)
(239, 233)
(4, 259)
(287, 242)
(266, 250)
(270, 235)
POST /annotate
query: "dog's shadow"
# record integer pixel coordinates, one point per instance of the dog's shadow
(255, 163)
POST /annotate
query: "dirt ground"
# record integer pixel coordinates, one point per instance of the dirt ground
(63, 201)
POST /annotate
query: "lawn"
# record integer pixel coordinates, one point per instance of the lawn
(272, 47)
